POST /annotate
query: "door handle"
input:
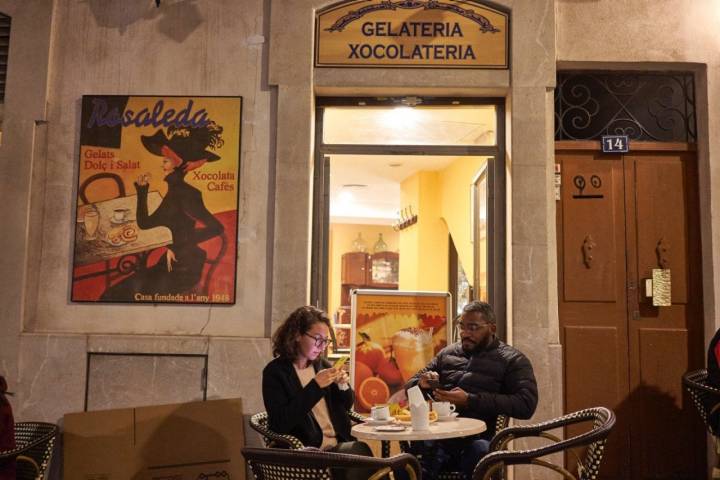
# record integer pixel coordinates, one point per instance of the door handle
(587, 248)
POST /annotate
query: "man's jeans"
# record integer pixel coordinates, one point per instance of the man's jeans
(457, 454)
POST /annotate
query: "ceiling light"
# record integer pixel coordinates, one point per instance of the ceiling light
(400, 117)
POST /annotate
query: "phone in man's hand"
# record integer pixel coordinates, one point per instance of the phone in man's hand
(434, 383)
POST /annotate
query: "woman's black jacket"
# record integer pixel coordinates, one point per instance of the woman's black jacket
(289, 405)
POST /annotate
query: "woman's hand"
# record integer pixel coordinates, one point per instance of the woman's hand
(170, 259)
(325, 377)
(342, 377)
(143, 179)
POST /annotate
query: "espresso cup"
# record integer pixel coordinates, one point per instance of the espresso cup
(443, 409)
(380, 412)
(120, 214)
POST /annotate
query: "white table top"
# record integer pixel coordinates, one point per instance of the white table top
(459, 427)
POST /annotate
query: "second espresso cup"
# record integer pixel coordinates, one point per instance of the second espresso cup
(443, 409)
(380, 412)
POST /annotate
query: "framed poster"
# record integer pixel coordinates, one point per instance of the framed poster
(395, 334)
(157, 200)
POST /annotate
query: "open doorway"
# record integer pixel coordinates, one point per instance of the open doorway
(409, 196)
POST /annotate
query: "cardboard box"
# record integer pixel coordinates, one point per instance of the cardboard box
(187, 441)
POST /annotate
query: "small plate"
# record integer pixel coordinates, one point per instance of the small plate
(390, 428)
(452, 416)
(372, 421)
(409, 422)
(115, 222)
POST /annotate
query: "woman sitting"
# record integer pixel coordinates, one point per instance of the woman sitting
(304, 396)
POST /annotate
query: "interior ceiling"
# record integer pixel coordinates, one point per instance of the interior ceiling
(410, 126)
(366, 188)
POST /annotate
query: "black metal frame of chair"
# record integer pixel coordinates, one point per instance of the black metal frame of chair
(35, 442)
(707, 401)
(603, 420)
(259, 423)
(311, 463)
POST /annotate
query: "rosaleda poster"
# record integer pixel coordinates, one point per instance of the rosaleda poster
(395, 334)
(157, 200)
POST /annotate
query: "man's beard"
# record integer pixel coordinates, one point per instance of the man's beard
(469, 346)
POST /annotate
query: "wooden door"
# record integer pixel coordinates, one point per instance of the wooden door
(620, 217)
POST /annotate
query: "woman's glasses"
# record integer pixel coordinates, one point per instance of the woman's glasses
(319, 341)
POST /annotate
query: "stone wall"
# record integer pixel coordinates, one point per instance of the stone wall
(61, 50)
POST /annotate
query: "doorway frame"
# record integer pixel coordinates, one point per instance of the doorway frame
(496, 171)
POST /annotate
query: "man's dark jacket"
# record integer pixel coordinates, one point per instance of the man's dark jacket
(289, 405)
(498, 378)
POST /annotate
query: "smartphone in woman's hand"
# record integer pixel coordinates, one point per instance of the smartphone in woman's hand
(340, 362)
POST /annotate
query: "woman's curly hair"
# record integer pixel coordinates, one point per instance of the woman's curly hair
(284, 339)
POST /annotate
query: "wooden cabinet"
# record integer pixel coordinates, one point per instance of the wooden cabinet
(384, 269)
(355, 268)
(362, 270)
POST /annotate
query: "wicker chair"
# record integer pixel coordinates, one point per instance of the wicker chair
(259, 423)
(501, 423)
(602, 420)
(707, 400)
(305, 464)
(35, 442)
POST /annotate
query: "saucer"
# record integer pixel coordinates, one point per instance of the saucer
(447, 418)
(390, 428)
(116, 222)
(372, 421)
(432, 420)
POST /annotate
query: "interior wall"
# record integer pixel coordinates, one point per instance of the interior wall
(457, 210)
(424, 262)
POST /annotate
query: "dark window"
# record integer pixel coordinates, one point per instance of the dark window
(656, 107)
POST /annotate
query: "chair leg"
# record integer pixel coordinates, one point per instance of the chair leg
(716, 468)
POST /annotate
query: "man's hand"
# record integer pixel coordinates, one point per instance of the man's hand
(457, 395)
(426, 377)
(326, 377)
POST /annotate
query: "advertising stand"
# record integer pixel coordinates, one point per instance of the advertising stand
(394, 335)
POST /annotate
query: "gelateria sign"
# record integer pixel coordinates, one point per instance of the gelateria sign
(412, 33)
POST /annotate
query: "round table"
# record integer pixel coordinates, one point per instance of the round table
(458, 427)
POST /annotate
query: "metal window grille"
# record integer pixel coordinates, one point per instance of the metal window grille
(644, 106)
(4, 48)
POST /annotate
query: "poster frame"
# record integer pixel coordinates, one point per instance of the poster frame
(230, 236)
(393, 293)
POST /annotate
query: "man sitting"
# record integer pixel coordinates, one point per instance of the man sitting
(484, 378)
